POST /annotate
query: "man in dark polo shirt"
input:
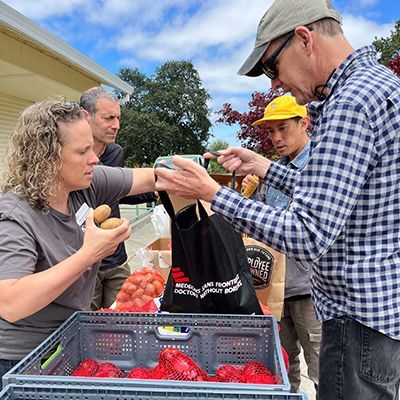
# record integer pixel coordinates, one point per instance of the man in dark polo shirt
(102, 111)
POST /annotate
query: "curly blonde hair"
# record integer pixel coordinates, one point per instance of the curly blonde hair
(33, 161)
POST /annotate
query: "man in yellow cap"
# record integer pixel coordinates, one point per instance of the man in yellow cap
(286, 123)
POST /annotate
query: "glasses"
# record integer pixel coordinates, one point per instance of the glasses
(268, 66)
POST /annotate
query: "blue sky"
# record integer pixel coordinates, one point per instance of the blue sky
(216, 35)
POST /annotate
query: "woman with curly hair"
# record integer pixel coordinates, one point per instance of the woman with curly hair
(50, 248)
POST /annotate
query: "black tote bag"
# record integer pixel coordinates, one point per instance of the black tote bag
(210, 273)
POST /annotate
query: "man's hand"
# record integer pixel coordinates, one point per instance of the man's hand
(247, 181)
(191, 181)
(243, 161)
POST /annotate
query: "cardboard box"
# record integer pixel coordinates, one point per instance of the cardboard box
(161, 255)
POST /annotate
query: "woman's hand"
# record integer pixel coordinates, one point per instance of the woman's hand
(99, 243)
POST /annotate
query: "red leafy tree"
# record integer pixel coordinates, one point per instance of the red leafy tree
(251, 137)
(394, 65)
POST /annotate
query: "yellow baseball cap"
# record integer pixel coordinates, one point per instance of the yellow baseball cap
(283, 107)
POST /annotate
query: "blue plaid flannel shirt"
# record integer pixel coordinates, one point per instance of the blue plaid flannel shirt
(344, 218)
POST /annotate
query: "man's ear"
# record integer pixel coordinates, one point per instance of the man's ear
(305, 122)
(304, 34)
(86, 115)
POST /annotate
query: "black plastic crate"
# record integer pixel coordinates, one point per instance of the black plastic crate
(135, 340)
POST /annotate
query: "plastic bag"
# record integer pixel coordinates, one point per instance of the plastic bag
(161, 221)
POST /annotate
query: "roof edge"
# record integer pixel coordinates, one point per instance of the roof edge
(24, 26)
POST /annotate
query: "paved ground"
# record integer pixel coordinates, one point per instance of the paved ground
(143, 233)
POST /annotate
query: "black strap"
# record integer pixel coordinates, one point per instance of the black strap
(233, 180)
(202, 211)
(165, 200)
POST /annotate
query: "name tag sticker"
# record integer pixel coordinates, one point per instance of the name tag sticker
(80, 215)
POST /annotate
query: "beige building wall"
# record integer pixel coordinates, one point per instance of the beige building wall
(36, 65)
(30, 72)
(10, 108)
(27, 75)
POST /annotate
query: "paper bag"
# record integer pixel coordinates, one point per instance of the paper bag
(268, 268)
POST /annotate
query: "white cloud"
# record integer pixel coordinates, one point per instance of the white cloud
(361, 31)
(126, 13)
(210, 27)
(216, 35)
(39, 10)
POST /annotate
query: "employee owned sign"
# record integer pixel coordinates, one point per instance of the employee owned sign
(261, 263)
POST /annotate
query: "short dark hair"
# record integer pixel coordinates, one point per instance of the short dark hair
(90, 97)
(327, 26)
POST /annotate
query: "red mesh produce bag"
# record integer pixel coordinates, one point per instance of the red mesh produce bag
(158, 372)
(179, 366)
(86, 368)
(108, 370)
(254, 368)
(259, 378)
(228, 373)
(139, 290)
(256, 372)
(140, 373)
(149, 307)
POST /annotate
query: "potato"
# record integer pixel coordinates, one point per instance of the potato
(101, 213)
(111, 223)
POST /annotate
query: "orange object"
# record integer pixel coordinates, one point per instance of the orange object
(139, 289)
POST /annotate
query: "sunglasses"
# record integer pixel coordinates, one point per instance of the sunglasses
(268, 66)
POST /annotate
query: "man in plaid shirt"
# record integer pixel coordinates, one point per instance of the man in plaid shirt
(344, 218)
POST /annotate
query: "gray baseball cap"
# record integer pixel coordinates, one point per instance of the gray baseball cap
(281, 18)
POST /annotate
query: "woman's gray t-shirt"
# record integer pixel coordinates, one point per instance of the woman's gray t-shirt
(32, 241)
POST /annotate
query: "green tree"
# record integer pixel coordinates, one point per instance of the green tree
(140, 84)
(389, 47)
(216, 145)
(144, 137)
(166, 114)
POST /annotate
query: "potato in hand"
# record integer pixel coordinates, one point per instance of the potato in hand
(101, 217)
(111, 223)
(101, 213)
